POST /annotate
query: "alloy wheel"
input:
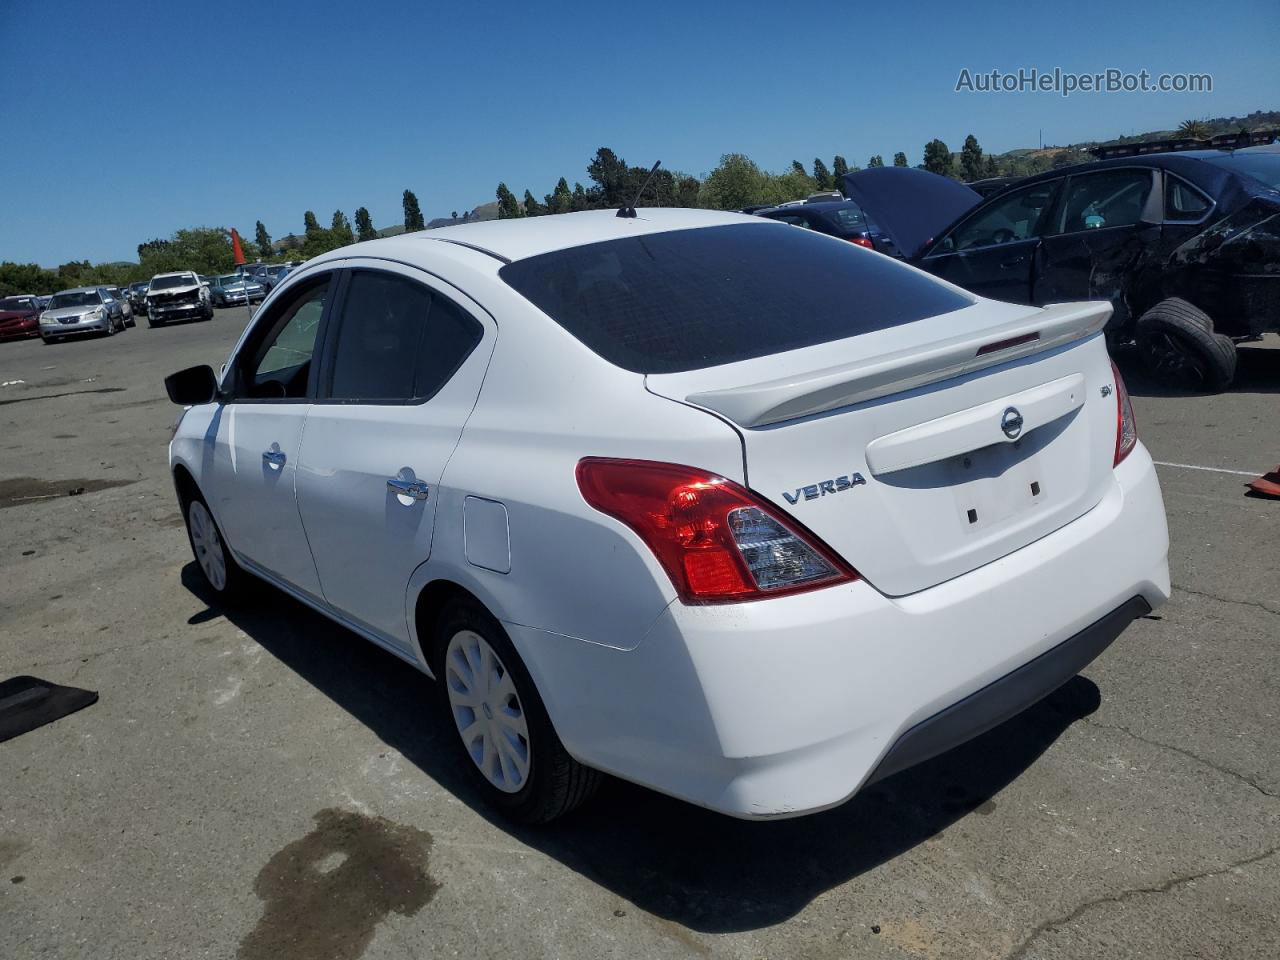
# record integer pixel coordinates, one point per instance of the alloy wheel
(207, 545)
(487, 711)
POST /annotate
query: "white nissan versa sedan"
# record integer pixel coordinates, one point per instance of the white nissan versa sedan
(743, 513)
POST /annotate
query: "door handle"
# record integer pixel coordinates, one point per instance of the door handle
(1013, 262)
(408, 488)
(275, 456)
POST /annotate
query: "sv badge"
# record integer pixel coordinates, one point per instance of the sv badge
(815, 490)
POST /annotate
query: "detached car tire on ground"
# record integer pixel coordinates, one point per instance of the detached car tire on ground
(746, 514)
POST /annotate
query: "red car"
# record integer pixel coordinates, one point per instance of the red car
(19, 317)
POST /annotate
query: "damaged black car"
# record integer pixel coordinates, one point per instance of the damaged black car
(1185, 246)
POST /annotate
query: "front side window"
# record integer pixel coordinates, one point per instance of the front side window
(397, 340)
(279, 365)
(1015, 216)
(1183, 201)
(1112, 198)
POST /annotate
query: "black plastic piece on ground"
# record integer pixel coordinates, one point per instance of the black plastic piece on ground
(28, 702)
(1010, 695)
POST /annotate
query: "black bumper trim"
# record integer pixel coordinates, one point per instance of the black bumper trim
(1008, 696)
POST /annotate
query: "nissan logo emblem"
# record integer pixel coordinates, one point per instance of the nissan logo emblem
(1011, 422)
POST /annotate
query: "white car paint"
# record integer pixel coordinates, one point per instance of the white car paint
(765, 708)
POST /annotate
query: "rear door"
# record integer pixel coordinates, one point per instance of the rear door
(1099, 237)
(403, 366)
(993, 251)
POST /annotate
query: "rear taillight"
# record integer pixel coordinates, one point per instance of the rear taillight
(1126, 425)
(862, 241)
(716, 540)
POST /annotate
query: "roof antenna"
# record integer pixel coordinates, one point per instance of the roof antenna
(631, 210)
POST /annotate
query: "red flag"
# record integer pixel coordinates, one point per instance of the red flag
(235, 247)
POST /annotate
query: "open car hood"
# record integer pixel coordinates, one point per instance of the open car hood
(912, 206)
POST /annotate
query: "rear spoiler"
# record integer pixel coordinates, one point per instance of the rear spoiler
(773, 401)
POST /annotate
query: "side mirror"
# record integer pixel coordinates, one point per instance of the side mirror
(192, 386)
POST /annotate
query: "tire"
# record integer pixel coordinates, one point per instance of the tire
(132, 321)
(1180, 347)
(111, 328)
(223, 576)
(151, 322)
(552, 783)
(49, 341)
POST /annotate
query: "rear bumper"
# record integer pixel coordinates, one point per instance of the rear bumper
(1007, 697)
(788, 706)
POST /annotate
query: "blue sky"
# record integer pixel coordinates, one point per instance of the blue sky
(134, 118)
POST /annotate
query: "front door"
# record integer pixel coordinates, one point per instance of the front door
(403, 366)
(259, 437)
(993, 251)
(1098, 241)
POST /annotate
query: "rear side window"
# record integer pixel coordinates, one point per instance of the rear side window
(1183, 201)
(686, 299)
(397, 341)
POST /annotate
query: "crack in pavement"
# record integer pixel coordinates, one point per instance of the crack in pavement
(1048, 926)
(1225, 771)
(1244, 603)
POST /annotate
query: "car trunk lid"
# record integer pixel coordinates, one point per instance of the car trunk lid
(924, 451)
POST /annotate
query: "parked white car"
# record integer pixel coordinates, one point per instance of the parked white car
(746, 514)
(176, 296)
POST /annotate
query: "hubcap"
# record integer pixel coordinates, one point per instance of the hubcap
(487, 711)
(207, 545)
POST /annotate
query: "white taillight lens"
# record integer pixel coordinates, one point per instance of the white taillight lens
(776, 557)
(1126, 425)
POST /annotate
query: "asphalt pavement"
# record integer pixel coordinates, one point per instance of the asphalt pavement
(263, 784)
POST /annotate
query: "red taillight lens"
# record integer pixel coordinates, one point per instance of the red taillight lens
(716, 540)
(862, 241)
(1126, 425)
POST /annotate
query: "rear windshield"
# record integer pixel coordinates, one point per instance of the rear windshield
(687, 299)
(167, 283)
(1260, 166)
(17, 303)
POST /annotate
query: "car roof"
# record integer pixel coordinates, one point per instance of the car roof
(525, 237)
(176, 273)
(1188, 163)
(93, 289)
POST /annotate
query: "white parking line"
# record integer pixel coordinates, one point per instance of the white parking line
(1192, 466)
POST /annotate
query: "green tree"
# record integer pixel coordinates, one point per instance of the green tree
(364, 225)
(413, 219)
(581, 199)
(560, 200)
(878, 161)
(798, 167)
(971, 159)
(735, 183)
(532, 208)
(341, 229)
(899, 159)
(990, 166)
(508, 205)
(937, 158)
(1196, 129)
(309, 223)
(26, 278)
(839, 167)
(261, 240)
(821, 177)
(612, 178)
(686, 194)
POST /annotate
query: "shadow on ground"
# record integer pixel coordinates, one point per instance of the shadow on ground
(708, 872)
(1257, 371)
